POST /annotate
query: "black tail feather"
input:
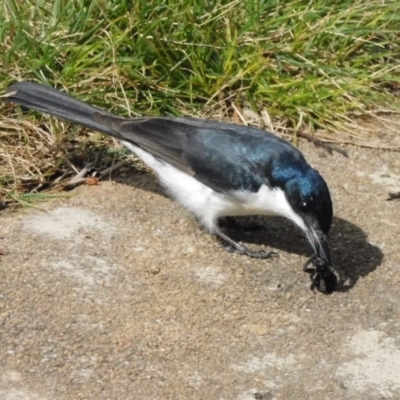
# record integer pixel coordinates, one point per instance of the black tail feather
(51, 101)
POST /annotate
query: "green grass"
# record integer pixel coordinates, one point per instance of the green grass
(298, 63)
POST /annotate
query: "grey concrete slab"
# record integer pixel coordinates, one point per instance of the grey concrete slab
(117, 293)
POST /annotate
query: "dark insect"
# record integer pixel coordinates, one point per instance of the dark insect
(322, 276)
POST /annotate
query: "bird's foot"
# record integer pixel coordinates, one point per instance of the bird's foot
(235, 247)
(244, 251)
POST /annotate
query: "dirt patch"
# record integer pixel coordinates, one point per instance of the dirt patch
(116, 293)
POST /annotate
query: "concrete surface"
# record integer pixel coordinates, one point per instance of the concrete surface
(116, 293)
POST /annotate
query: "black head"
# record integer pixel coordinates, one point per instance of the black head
(309, 196)
(310, 200)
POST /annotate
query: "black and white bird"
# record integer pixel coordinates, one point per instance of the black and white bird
(213, 169)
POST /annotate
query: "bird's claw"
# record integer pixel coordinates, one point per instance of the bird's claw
(244, 251)
(263, 254)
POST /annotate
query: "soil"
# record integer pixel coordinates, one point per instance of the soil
(117, 293)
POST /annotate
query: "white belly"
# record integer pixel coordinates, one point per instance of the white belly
(209, 205)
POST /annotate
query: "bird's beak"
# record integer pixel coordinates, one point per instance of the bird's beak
(322, 275)
(319, 243)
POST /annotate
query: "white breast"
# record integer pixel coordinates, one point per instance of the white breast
(209, 205)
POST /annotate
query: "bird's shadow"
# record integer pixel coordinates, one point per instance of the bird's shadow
(352, 255)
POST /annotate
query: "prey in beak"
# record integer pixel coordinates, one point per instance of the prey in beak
(322, 273)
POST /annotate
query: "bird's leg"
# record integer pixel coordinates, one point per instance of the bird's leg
(238, 248)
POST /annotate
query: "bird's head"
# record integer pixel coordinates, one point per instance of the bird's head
(310, 200)
(309, 197)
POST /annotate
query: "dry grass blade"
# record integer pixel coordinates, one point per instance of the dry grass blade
(311, 65)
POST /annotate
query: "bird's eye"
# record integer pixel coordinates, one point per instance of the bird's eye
(303, 206)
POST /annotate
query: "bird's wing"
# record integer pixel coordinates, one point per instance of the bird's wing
(225, 157)
(155, 135)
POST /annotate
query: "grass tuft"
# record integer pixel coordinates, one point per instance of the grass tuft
(295, 64)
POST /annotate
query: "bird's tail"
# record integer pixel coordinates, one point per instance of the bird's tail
(51, 101)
